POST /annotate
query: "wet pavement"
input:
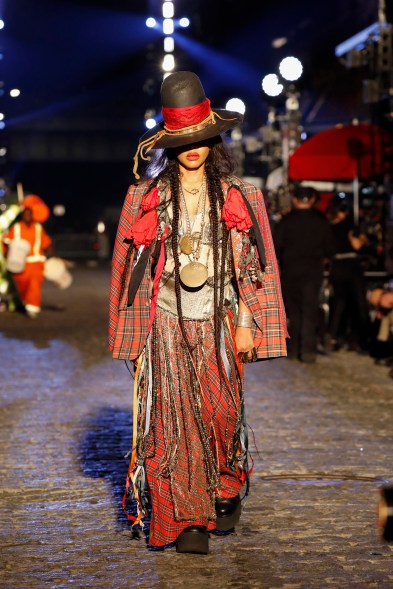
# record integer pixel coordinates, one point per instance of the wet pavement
(321, 442)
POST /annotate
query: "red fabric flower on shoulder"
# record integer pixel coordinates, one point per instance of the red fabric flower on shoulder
(144, 230)
(150, 200)
(234, 211)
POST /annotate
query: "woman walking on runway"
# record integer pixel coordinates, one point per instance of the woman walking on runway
(195, 294)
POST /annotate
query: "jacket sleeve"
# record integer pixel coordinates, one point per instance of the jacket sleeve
(264, 299)
(271, 261)
(127, 217)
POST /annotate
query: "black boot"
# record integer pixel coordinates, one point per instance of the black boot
(228, 512)
(193, 539)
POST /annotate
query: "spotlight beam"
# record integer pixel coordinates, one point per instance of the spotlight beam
(223, 66)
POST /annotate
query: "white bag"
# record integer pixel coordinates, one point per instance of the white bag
(56, 271)
(18, 250)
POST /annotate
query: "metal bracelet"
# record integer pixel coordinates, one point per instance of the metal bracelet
(244, 319)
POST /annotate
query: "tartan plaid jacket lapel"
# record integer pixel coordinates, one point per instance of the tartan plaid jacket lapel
(128, 325)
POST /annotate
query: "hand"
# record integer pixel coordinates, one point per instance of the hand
(245, 344)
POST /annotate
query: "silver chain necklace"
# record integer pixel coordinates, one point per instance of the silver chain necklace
(194, 274)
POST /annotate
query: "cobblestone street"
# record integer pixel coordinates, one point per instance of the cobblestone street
(321, 440)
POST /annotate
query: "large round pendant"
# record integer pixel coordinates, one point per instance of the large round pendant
(193, 274)
(185, 245)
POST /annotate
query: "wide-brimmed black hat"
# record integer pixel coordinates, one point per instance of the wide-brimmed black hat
(187, 116)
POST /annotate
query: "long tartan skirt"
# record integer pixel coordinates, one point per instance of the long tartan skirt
(190, 445)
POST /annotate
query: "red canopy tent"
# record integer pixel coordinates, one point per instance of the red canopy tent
(348, 152)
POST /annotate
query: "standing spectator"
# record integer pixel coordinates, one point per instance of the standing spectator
(349, 318)
(381, 325)
(304, 244)
(30, 278)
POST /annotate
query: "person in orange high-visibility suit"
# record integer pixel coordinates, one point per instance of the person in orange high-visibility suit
(29, 281)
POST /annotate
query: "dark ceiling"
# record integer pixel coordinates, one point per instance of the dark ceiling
(97, 56)
(89, 69)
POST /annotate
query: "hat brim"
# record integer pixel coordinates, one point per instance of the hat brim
(228, 119)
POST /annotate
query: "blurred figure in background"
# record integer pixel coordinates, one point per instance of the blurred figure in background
(381, 332)
(7, 294)
(28, 269)
(349, 318)
(304, 245)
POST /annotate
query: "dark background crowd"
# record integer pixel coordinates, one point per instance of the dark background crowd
(337, 292)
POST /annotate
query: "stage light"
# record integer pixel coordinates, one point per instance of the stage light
(291, 68)
(59, 210)
(271, 85)
(279, 42)
(236, 105)
(184, 22)
(236, 134)
(1, 116)
(151, 22)
(292, 103)
(1, 24)
(168, 64)
(3, 151)
(271, 116)
(101, 227)
(2, 124)
(168, 26)
(15, 92)
(150, 123)
(169, 44)
(168, 10)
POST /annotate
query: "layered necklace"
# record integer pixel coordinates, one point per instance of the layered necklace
(193, 191)
(194, 274)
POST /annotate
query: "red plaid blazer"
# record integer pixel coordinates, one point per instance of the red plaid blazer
(128, 325)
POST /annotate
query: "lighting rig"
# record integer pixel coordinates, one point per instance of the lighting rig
(288, 123)
(12, 93)
(167, 26)
(372, 50)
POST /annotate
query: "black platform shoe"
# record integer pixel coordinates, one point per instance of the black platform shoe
(193, 539)
(228, 512)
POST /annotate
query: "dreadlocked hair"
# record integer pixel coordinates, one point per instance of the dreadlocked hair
(173, 175)
(218, 163)
(216, 196)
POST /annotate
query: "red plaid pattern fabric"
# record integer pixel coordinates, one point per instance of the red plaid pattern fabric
(128, 326)
(265, 303)
(180, 497)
